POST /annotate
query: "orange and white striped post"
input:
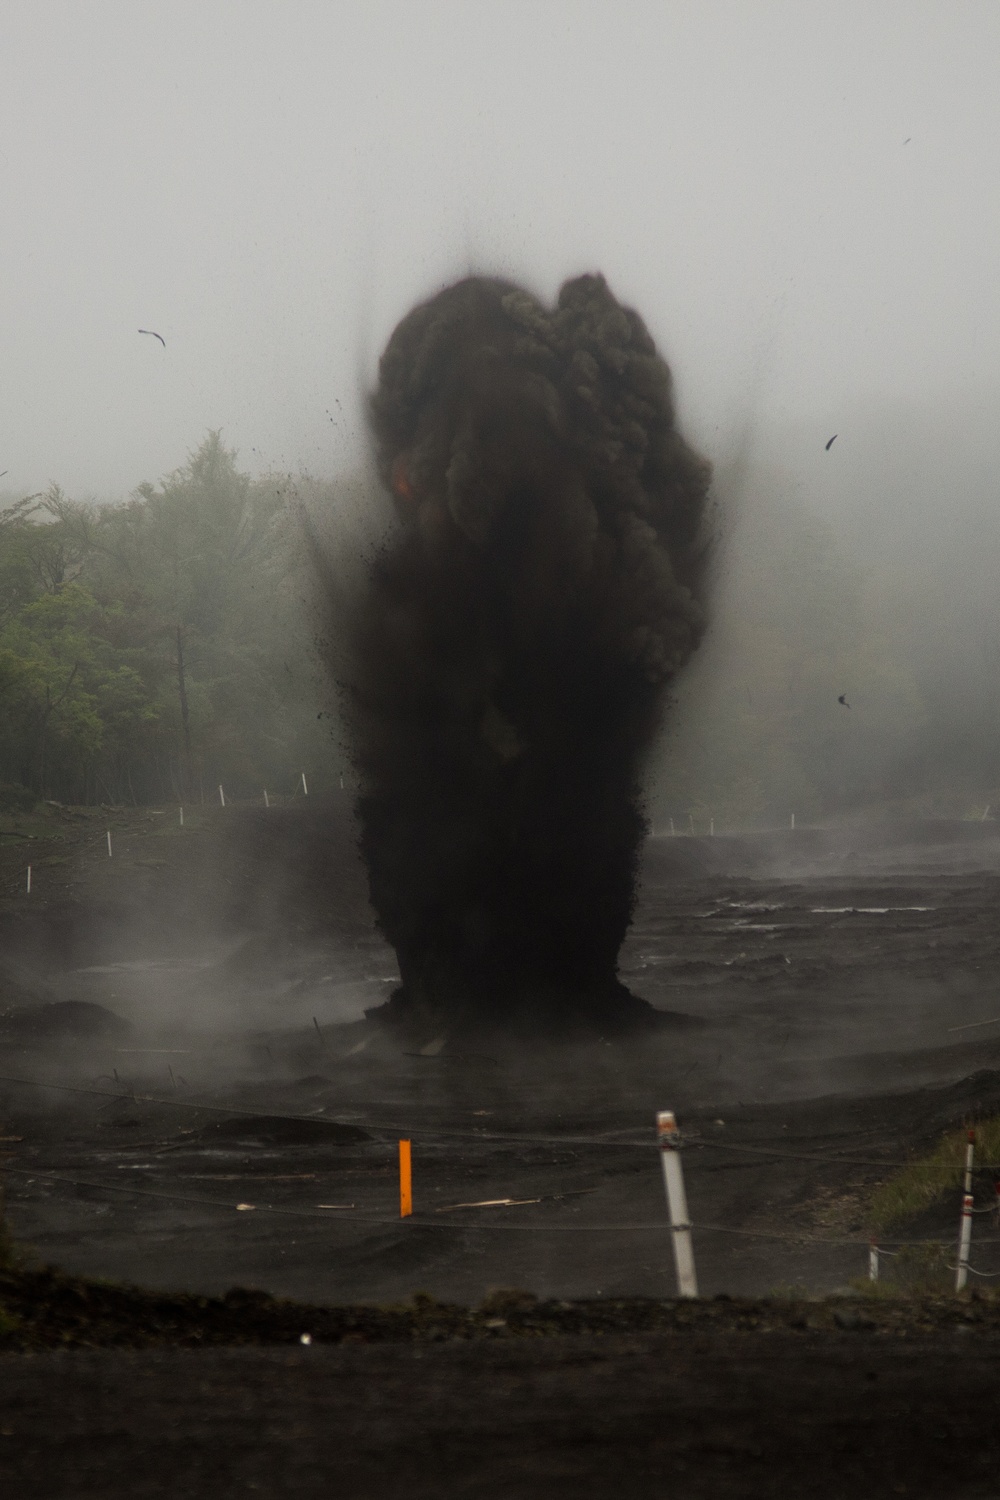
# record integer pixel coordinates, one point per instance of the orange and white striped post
(965, 1223)
(405, 1181)
(673, 1181)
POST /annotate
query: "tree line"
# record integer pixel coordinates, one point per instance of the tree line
(152, 650)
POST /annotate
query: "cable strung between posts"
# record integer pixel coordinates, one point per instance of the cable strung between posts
(428, 1223)
(847, 1161)
(491, 1137)
(131, 1097)
(312, 1213)
(443, 1133)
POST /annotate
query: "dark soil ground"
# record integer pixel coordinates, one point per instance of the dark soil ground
(696, 1414)
(203, 981)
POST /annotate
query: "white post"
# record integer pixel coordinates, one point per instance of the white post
(29, 881)
(965, 1224)
(671, 827)
(109, 843)
(341, 781)
(964, 1242)
(222, 797)
(793, 820)
(266, 803)
(711, 826)
(182, 817)
(873, 1261)
(673, 1181)
(305, 789)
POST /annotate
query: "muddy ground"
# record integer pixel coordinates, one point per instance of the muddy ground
(813, 980)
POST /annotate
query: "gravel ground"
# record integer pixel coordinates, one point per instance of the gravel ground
(712, 1416)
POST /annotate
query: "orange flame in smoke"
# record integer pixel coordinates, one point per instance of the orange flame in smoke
(400, 480)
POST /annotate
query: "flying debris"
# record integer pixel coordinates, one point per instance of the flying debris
(831, 442)
(153, 335)
(843, 699)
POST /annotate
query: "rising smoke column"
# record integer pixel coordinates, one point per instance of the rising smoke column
(510, 655)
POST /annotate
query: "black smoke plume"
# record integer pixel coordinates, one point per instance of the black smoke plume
(511, 652)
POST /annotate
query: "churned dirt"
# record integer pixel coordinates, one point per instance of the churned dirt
(192, 1101)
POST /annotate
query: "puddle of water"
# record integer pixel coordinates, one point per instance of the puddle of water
(878, 911)
(753, 905)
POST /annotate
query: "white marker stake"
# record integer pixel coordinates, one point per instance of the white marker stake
(793, 820)
(965, 1225)
(711, 827)
(266, 803)
(341, 781)
(673, 1180)
(305, 789)
(964, 1243)
(182, 817)
(109, 843)
(873, 1261)
(222, 797)
(29, 880)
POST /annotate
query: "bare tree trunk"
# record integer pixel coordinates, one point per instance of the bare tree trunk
(185, 719)
(50, 704)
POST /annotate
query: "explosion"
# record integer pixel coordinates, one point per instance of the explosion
(510, 655)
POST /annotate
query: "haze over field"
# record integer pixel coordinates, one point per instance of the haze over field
(801, 202)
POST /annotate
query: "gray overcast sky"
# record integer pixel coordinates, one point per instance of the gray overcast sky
(801, 198)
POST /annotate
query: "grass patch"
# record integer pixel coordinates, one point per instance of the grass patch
(912, 1271)
(920, 1185)
(8, 1257)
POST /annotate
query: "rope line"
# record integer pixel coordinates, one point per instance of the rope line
(847, 1161)
(314, 1213)
(428, 1223)
(646, 1144)
(131, 1097)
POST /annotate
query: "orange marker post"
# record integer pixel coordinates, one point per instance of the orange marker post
(405, 1181)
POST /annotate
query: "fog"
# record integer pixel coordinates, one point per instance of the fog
(802, 203)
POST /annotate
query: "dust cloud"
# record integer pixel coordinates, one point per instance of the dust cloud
(509, 655)
(866, 573)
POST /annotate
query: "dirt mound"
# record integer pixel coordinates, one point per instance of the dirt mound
(267, 1130)
(69, 1019)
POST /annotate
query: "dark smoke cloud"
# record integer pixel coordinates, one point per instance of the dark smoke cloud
(511, 652)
